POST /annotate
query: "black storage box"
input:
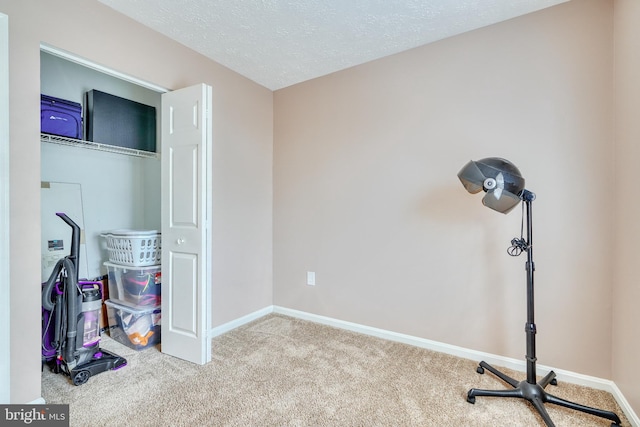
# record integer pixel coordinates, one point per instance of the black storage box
(60, 117)
(118, 121)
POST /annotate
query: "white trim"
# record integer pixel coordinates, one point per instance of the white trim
(101, 68)
(626, 407)
(226, 327)
(208, 214)
(5, 230)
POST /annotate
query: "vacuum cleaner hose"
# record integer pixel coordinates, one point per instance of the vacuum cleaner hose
(47, 290)
(71, 260)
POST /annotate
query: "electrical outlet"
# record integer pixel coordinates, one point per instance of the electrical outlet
(311, 278)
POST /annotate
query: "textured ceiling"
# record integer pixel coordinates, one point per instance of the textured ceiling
(277, 43)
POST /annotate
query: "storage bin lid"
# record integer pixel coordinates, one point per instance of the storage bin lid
(131, 267)
(132, 308)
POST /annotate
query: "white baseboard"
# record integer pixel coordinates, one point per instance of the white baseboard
(626, 407)
(226, 327)
(517, 365)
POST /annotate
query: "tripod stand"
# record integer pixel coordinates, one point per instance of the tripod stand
(529, 389)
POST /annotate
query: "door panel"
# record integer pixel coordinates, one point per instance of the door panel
(186, 215)
(184, 170)
(184, 270)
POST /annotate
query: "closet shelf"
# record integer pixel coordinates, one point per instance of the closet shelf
(61, 140)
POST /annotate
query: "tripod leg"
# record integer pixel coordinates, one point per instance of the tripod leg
(471, 395)
(549, 379)
(499, 374)
(537, 403)
(587, 409)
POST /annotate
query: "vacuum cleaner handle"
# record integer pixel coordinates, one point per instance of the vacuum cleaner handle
(75, 242)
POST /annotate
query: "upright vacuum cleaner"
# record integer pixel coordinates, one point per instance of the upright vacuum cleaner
(71, 319)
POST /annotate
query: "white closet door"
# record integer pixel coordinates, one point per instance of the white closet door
(186, 218)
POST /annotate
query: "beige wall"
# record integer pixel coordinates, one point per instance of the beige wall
(243, 135)
(366, 193)
(626, 316)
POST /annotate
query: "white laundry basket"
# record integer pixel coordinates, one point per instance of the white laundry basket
(135, 248)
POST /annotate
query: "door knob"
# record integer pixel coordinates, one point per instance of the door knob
(180, 241)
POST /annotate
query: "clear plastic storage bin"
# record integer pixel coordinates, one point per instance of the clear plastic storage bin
(134, 326)
(135, 285)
